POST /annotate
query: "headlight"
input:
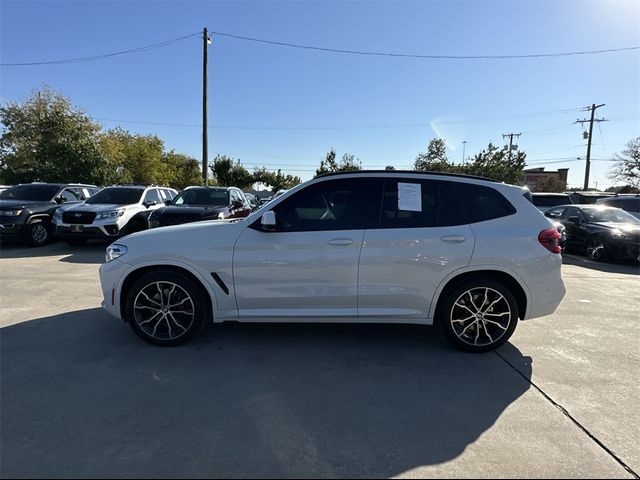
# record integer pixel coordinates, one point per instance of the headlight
(113, 214)
(10, 213)
(618, 235)
(115, 251)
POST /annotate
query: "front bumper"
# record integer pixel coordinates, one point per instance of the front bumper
(10, 231)
(626, 250)
(90, 231)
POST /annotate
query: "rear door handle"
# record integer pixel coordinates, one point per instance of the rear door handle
(340, 242)
(453, 238)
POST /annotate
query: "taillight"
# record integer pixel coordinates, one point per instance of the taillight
(549, 239)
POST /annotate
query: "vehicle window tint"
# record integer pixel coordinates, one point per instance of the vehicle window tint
(70, 195)
(550, 200)
(449, 209)
(555, 212)
(345, 204)
(170, 194)
(414, 206)
(152, 196)
(483, 203)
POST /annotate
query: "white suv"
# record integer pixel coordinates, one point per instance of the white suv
(110, 214)
(387, 247)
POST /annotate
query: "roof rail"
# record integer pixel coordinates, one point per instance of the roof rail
(413, 172)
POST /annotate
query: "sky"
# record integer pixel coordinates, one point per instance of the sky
(283, 107)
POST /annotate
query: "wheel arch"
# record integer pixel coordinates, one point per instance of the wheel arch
(38, 217)
(500, 276)
(135, 274)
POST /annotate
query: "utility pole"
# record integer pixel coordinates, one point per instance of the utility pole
(592, 108)
(464, 146)
(205, 129)
(510, 135)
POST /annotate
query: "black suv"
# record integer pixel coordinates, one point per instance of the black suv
(195, 204)
(26, 209)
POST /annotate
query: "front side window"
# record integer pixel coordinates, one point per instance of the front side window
(344, 204)
(152, 196)
(70, 195)
(117, 196)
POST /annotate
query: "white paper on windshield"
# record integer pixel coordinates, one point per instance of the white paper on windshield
(409, 197)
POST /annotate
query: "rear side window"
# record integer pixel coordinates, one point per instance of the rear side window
(411, 203)
(483, 203)
(556, 212)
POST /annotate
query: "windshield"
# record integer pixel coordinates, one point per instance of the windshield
(550, 200)
(202, 196)
(610, 215)
(38, 193)
(117, 196)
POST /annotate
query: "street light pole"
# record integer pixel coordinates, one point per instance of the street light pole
(464, 145)
(205, 137)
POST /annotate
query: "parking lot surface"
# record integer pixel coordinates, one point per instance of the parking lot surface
(81, 396)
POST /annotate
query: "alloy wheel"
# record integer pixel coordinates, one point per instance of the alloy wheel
(39, 233)
(164, 310)
(480, 316)
(595, 250)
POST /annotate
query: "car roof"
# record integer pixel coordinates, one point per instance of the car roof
(551, 194)
(405, 172)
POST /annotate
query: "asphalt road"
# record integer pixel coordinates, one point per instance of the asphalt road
(81, 396)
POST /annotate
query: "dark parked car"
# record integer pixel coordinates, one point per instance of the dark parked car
(195, 204)
(26, 210)
(601, 232)
(630, 203)
(544, 201)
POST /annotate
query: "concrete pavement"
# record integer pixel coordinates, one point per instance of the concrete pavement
(81, 396)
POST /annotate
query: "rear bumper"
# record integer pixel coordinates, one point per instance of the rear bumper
(546, 288)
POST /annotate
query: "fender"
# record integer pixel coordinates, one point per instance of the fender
(38, 217)
(218, 315)
(476, 268)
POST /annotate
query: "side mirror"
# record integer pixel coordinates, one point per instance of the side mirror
(237, 204)
(575, 220)
(61, 199)
(268, 221)
(167, 202)
(150, 204)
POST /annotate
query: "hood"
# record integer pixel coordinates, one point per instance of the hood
(13, 203)
(193, 210)
(623, 227)
(94, 207)
(181, 241)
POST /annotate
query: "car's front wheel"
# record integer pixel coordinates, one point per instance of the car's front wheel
(37, 234)
(478, 315)
(597, 249)
(166, 307)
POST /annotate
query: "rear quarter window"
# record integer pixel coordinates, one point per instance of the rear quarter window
(483, 203)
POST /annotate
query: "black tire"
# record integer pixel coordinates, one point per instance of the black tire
(144, 294)
(481, 332)
(76, 242)
(597, 249)
(37, 234)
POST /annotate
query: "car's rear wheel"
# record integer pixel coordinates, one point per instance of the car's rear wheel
(597, 249)
(37, 234)
(478, 315)
(166, 307)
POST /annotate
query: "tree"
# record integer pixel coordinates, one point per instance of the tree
(48, 139)
(185, 170)
(330, 165)
(435, 159)
(230, 174)
(627, 167)
(275, 180)
(494, 163)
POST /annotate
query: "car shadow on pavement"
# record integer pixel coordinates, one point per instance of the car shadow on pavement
(90, 253)
(83, 397)
(624, 267)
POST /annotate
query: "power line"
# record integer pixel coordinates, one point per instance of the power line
(433, 57)
(145, 48)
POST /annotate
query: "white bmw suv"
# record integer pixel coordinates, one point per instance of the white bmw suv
(111, 213)
(467, 253)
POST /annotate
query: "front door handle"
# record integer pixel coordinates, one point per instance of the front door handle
(453, 238)
(340, 242)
